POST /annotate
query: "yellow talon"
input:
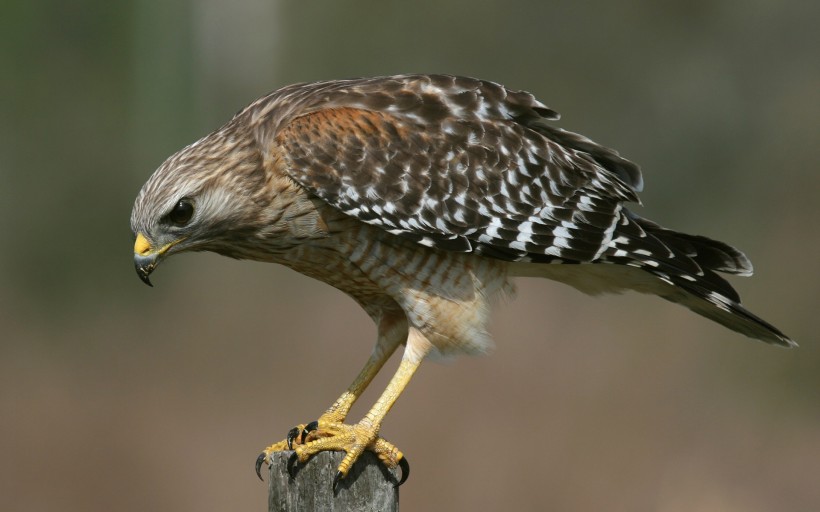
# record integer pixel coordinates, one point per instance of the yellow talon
(330, 434)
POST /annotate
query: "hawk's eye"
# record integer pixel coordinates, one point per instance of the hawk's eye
(182, 212)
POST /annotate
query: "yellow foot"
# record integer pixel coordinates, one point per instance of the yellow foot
(318, 436)
(295, 435)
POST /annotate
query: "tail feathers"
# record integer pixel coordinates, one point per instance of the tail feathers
(688, 264)
(699, 295)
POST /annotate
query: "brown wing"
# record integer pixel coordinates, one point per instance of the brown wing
(457, 164)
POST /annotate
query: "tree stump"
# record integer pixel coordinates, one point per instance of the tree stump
(369, 487)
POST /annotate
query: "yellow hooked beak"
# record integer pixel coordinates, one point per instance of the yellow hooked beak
(146, 258)
(142, 246)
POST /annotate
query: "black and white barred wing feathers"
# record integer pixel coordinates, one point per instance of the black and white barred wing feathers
(460, 164)
(466, 165)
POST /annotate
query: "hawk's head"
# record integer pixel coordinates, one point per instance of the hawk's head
(208, 196)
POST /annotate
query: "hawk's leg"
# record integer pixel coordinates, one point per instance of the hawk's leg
(392, 332)
(337, 412)
(354, 439)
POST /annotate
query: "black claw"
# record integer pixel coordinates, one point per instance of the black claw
(292, 433)
(259, 461)
(405, 470)
(292, 465)
(310, 427)
(337, 479)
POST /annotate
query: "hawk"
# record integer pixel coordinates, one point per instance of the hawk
(421, 196)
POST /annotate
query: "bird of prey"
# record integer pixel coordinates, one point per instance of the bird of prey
(421, 196)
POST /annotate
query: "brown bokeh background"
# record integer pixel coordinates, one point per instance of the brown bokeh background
(114, 396)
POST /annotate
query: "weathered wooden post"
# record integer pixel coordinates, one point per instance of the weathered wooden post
(369, 487)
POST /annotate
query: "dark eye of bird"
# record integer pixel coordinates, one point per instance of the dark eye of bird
(182, 212)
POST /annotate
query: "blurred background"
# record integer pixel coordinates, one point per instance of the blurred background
(116, 396)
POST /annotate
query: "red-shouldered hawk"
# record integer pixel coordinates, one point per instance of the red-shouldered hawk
(420, 196)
